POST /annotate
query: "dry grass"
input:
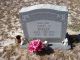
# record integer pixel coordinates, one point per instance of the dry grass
(10, 25)
(56, 55)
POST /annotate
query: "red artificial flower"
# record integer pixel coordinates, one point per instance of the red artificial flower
(35, 46)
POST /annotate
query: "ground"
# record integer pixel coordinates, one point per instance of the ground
(10, 25)
(56, 55)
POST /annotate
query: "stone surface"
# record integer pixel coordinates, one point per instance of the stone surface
(44, 21)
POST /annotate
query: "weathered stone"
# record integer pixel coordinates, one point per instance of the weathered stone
(45, 22)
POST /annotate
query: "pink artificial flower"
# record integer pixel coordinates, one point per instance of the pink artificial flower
(35, 46)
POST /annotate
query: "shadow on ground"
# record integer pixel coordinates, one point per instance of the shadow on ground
(73, 39)
(46, 51)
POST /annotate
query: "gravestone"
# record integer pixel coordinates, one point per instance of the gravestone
(45, 22)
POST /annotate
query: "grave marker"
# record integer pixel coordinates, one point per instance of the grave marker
(45, 22)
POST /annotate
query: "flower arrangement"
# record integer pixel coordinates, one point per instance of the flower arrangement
(35, 46)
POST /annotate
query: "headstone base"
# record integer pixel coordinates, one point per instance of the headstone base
(60, 46)
(54, 46)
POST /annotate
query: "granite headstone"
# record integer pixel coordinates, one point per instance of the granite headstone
(45, 22)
